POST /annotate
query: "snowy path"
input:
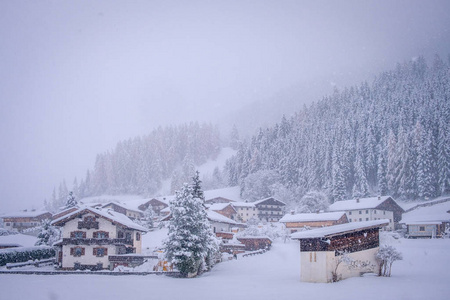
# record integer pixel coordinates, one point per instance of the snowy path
(273, 275)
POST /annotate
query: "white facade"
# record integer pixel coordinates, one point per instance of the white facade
(362, 215)
(245, 211)
(319, 266)
(91, 245)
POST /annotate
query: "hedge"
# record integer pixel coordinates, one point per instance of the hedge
(23, 254)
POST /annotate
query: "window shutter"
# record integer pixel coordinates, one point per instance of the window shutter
(107, 235)
(94, 252)
(72, 235)
(82, 251)
(106, 251)
(84, 234)
(71, 251)
(95, 235)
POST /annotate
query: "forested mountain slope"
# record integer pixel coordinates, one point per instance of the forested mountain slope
(139, 165)
(388, 137)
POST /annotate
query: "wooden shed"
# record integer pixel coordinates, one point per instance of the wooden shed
(321, 248)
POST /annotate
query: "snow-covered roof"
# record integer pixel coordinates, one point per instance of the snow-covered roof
(434, 213)
(312, 217)
(124, 205)
(216, 217)
(108, 214)
(21, 240)
(25, 214)
(266, 199)
(362, 203)
(218, 206)
(338, 229)
(243, 204)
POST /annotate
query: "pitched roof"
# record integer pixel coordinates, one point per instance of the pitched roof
(26, 214)
(338, 229)
(268, 199)
(243, 204)
(107, 214)
(312, 217)
(362, 203)
(219, 206)
(434, 213)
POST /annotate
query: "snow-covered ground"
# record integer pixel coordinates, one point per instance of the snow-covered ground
(422, 274)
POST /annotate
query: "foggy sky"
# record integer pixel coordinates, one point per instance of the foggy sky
(78, 76)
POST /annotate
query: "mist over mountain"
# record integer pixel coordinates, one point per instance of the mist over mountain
(391, 136)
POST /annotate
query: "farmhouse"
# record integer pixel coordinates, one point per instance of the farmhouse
(427, 221)
(218, 200)
(245, 211)
(296, 222)
(225, 209)
(122, 208)
(368, 209)
(322, 249)
(90, 236)
(24, 220)
(270, 209)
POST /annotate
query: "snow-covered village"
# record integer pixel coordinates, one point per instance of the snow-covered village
(224, 149)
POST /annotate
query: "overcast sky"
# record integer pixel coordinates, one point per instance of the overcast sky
(78, 76)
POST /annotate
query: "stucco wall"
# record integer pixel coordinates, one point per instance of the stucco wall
(371, 214)
(103, 225)
(88, 258)
(319, 266)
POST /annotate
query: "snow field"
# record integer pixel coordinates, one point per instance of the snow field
(274, 275)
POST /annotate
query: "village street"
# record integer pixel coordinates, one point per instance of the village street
(274, 275)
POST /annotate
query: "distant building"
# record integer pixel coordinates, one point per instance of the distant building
(321, 248)
(225, 209)
(368, 209)
(270, 209)
(23, 220)
(122, 208)
(245, 211)
(296, 222)
(219, 200)
(427, 220)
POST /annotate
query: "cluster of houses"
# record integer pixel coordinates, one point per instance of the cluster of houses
(104, 236)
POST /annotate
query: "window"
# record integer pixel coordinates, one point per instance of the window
(120, 235)
(138, 236)
(100, 251)
(77, 251)
(360, 219)
(374, 211)
(367, 219)
(78, 234)
(100, 235)
(384, 212)
(422, 228)
(360, 212)
(350, 213)
(367, 211)
(349, 220)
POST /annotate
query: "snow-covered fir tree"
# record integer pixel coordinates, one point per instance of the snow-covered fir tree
(191, 244)
(48, 234)
(71, 201)
(387, 137)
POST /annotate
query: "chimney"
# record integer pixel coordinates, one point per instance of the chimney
(357, 200)
(292, 212)
(379, 198)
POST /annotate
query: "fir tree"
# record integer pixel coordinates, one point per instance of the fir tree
(48, 234)
(71, 201)
(191, 244)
